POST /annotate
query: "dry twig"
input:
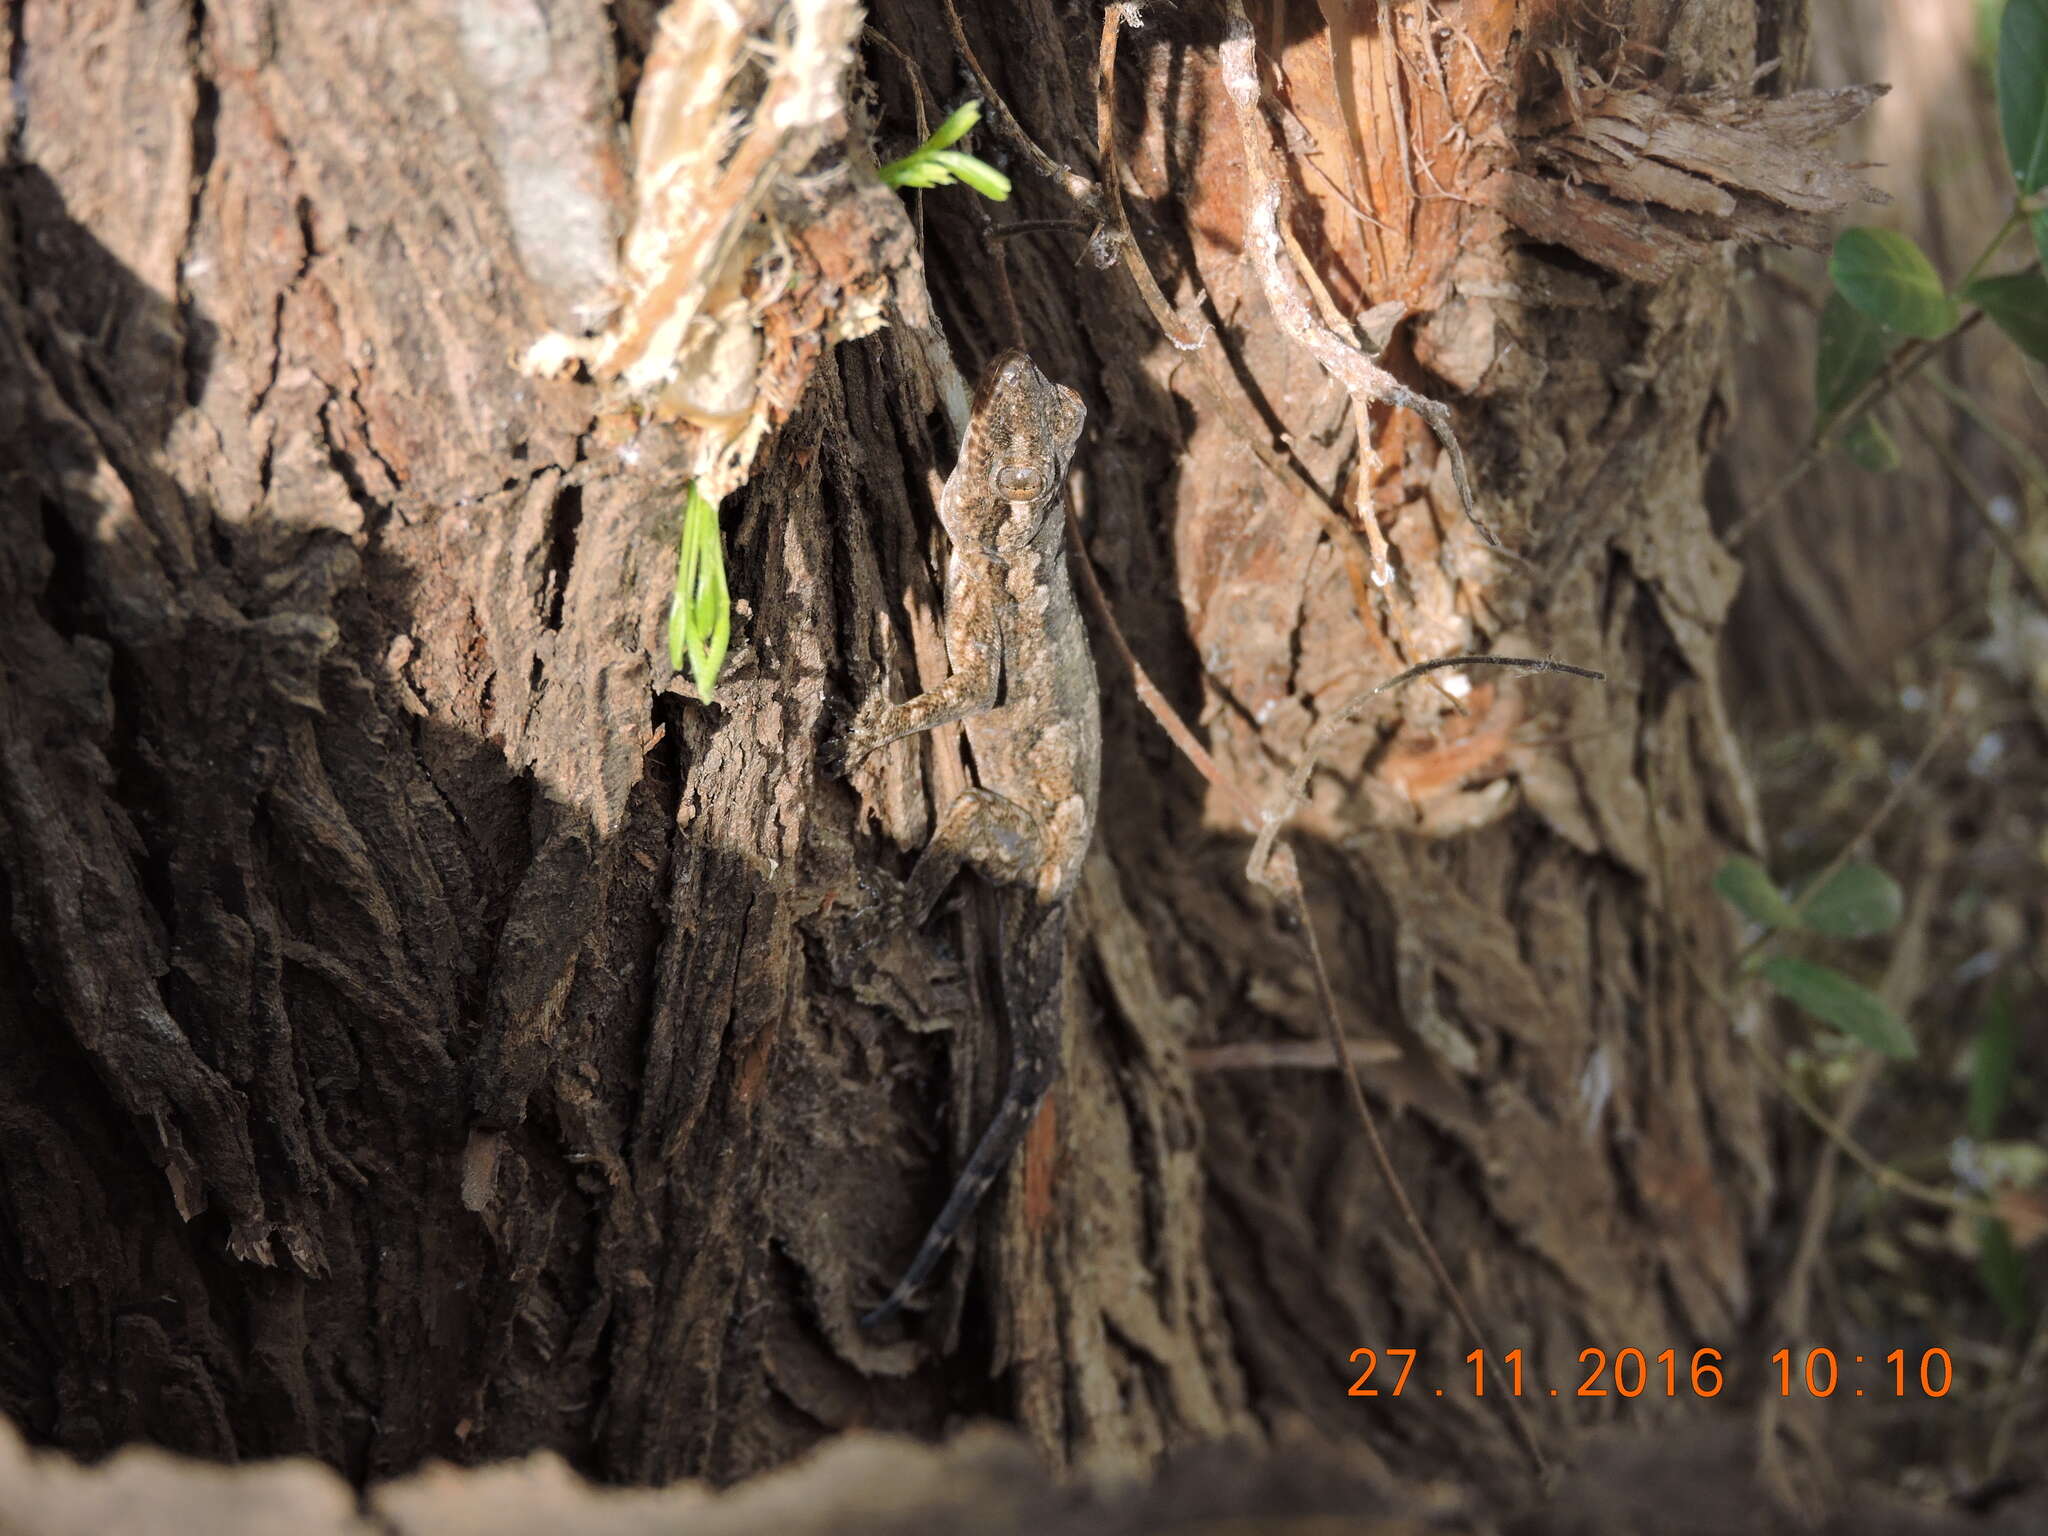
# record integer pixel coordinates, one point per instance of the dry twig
(1290, 799)
(1175, 329)
(920, 104)
(1073, 183)
(1272, 867)
(1286, 293)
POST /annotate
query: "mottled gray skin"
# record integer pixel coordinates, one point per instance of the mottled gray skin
(1024, 687)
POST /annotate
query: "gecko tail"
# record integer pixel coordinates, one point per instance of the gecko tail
(1032, 986)
(990, 1157)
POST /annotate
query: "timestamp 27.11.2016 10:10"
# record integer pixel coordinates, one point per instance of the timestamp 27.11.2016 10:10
(1630, 1372)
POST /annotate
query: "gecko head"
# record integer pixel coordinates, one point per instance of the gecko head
(1029, 427)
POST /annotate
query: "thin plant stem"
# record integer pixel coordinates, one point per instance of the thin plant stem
(1274, 870)
(1868, 830)
(1176, 330)
(1881, 1172)
(1960, 474)
(1899, 367)
(2013, 220)
(1721, 994)
(2025, 460)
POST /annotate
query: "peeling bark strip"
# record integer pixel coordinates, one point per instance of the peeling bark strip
(758, 233)
(1645, 185)
(1286, 293)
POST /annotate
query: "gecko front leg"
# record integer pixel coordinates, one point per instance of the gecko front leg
(973, 647)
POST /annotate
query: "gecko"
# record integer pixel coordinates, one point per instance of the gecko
(1023, 686)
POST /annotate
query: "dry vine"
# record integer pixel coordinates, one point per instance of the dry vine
(1171, 325)
(1272, 867)
(1285, 290)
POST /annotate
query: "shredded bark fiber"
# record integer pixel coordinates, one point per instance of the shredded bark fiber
(1645, 184)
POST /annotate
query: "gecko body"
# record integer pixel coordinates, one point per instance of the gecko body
(1023, 686)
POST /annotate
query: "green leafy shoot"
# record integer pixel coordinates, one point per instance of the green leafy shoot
(2023, 90)
(1858, 900)
(1889, 278)
(1852, 349)
(935, 163)
(1834, 999)
(2018, 305)
(1747, 886)
(1870, 446)
(700, 614)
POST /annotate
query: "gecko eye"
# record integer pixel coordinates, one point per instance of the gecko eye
(1019, 482)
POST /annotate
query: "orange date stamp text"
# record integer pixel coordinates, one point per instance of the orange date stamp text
(1672, 1373)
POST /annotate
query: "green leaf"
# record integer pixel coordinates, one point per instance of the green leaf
(955, 127)
(1870, 445)
(1746, 886)
(1858, 900)
(2023, 90)
(2018, 304)
(1834, 999)
(934, 164)
(916, 171)
(1991, 1066)
(1885, 275)
(700, 613)
(1852, 348)
(978, 174)
(1989, 14)
(1998, 1264)
(2039, 224)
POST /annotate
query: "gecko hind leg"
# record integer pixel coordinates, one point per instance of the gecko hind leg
(980, 828)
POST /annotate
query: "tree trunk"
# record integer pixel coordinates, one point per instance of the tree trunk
(423, 1031)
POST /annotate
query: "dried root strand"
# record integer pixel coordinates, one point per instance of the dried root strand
(1176, 330)
(1287, 293)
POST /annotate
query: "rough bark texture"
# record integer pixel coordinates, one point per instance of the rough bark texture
(415, 1042)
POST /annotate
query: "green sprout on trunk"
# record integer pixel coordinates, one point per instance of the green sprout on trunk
(934, 163)
(700, 614)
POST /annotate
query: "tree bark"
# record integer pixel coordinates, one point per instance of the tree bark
(420, 1037)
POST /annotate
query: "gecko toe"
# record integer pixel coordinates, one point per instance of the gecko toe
(891, 1307)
